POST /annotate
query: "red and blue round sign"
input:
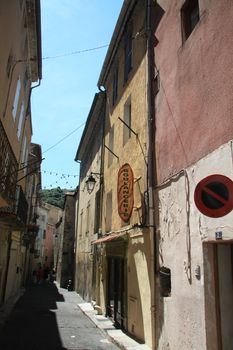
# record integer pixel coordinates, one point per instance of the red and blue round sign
(213, 195)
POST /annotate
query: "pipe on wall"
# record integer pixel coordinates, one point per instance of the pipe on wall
(151, 171)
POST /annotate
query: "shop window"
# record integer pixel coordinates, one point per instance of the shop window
(190, 16)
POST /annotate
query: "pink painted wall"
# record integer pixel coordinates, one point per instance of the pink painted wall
(194, 106)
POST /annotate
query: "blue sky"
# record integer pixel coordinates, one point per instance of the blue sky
(62, 102)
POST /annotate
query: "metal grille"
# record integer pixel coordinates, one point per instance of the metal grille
(8, 167)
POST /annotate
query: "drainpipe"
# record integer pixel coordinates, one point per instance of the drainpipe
(151, 171)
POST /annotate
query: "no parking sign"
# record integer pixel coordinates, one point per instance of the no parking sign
(213, 195)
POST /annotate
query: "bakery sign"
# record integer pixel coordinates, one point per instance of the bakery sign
(125, 193)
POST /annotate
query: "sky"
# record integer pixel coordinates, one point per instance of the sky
(60, 105)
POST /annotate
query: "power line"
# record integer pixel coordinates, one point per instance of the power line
(75, 52)
(65, 137)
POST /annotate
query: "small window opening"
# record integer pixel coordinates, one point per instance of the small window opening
(127, 120)
(128, 51)
(115, 86)
(165, 281)
(9, 64)
(190, 16)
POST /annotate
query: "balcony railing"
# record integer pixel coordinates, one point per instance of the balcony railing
(17, 212)
(8, 168)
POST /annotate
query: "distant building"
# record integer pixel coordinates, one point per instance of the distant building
(65, 269)
(54, 218)
(88, 223)
(39, 246)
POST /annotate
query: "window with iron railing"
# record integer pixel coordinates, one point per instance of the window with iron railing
(8, 167)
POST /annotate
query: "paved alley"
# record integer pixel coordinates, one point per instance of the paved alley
(47, 318)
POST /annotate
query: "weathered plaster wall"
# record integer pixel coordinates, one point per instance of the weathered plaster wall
(139, 288)
(12, 40)
(193, 106)
(134, 152)
(87, 225)
(131, 152)
(182, 231)
(139, 250)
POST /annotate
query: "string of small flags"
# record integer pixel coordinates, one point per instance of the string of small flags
(66, 178)
(59, 174)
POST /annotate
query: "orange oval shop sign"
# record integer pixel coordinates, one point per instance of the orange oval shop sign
(125, 192)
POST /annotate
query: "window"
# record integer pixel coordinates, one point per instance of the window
(24, 153)
(21, 118)
(9, 64)
(115, 86)
(109, 211)
(111, 145)
(127, 120)
(88, 217)
(97, 212)
(25, 49)
(6, 170)
(16, 99)
(165, 281)
(81, 224)
(128, 52)
(190, 17)
(25, 81)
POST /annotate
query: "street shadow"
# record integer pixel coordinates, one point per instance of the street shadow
(32, 323)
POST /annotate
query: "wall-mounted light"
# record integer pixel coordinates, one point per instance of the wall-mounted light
(91, 181)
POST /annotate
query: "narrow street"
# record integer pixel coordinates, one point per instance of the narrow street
(47, 318)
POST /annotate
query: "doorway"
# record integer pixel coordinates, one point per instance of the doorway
(116, 291)
(223, 256)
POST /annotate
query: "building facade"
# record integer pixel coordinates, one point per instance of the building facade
(65, 270)
(126, 292)
(88, 226)
(52, 235)
(20, 67)
(193, 146)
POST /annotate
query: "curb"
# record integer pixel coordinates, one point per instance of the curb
(116, 336)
